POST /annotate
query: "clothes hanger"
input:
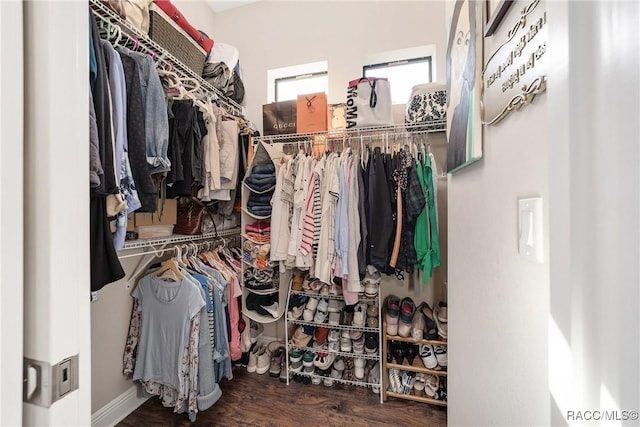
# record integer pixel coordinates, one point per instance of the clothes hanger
(169, 265)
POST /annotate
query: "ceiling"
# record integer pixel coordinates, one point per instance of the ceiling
(220, 6)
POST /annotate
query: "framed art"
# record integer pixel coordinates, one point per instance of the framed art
(464, 74)
(495, 10)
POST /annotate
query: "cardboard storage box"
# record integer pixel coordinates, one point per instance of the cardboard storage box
(169, 214)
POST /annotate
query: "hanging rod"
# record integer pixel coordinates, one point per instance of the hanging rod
(104, 12)
(345, 134)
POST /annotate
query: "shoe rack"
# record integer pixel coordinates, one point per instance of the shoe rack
(417, 366)
(377, 356)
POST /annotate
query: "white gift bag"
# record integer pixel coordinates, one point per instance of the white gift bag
(369, 103)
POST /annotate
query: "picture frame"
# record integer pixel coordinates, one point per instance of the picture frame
(495, 11)
(464, 64)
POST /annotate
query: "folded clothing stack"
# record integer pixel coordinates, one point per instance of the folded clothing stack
(260, 203)
(262, 178)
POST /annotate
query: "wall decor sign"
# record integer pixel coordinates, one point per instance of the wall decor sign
(516, 72)
(464, 72)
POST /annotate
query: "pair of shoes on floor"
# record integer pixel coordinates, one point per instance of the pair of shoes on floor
(259, 359)
(277, 351)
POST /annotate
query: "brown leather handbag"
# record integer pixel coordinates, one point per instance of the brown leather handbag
(190, 215)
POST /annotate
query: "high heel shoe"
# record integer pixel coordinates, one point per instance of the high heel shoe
(411, 352)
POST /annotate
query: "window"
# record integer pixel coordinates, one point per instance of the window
(287, 88)
(402, 75)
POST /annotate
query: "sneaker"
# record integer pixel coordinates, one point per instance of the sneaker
(323, 305)
(256, 330)
(316, 380)
(307, 315)
(323, 360)
(296, 366)
(359, 315)
(407, 310)
(372, 310)
(333, 346)
(408, 379)
(431, 386)
(312, 304)
(320, 317)
(371, 342)
(371, 289)
(394, 380)
(321, 335)
(253, 358)
(295, 355)
(276, 363)
(346, 317)
(335, 289)
(441, 354)
(345, 345)
(358, 364)
(335, 306)
(327, 381)
(296, 312)
(358, 345)
(302, 336)
(324, 290)
(372, 322)
(392, 311)
(355, 335)
(264, 362)
(428, 356)
(334, 319)
(334, 335)
(307, 359)
(309, 369)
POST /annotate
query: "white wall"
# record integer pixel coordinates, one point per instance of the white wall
(277, 34)
(499, 302)
(594, 344)
(56, 200)
(11, 210)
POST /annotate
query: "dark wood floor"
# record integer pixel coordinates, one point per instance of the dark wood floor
(260, 400)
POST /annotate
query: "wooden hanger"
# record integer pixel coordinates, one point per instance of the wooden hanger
(172, 266)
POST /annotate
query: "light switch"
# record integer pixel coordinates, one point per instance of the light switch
(530, 241)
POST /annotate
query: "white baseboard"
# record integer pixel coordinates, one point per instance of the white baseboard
(118, 409)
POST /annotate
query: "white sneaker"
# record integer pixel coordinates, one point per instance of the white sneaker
(264, 361)
(441, 354)
(253, 358)
(428, 356)
(358, 364)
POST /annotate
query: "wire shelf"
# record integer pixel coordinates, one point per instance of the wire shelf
(365, 133)
(342, 381)
(329, 296)
(104, 12)
(351, 355)
(340, 327)
(178, 238)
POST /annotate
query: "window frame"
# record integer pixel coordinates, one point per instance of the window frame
(428, 59)
(296, 77)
